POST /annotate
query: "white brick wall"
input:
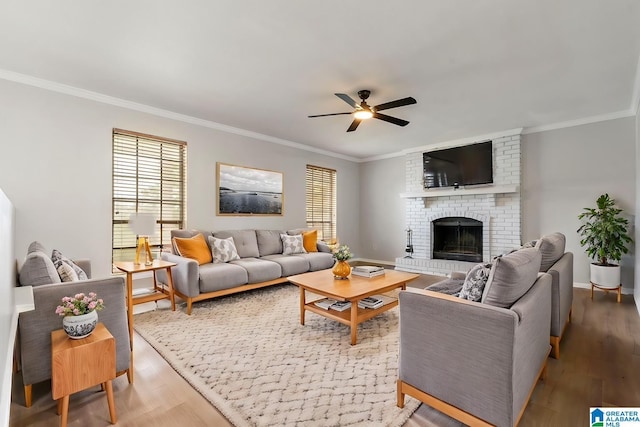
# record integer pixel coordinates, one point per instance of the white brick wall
(499, 213)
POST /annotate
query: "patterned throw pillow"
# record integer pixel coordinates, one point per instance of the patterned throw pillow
(292, 244)
(475, 282)
(68, 270)
(223, 250)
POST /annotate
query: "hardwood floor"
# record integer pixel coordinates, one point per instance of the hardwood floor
(599, 366)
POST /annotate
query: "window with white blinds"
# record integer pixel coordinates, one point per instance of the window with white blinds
(321, 202)
(149, 176)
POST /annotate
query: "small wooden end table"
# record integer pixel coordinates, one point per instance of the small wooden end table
(80, 364)
(157, 293)
(606, 290)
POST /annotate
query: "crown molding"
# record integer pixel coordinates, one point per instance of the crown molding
(123, 103)
(579, 122)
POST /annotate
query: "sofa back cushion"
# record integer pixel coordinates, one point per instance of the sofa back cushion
(511, 277)
(185, 234)
(551, 247)
(195, 247)
(38, 269)
(245, 240)
(269, 242)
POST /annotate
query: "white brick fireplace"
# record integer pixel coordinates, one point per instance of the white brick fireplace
(496, 205)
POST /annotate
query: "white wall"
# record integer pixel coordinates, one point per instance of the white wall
(565, 170)
(56, 168)
(636, 291)
(8, 316)
(382, 219)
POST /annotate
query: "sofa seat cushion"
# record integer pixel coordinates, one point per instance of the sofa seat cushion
(551, 247)
(318, 260)
(215, 277)
(245, 240)
(290, 264)
(511, 277)
(269, 242)
(259, 270)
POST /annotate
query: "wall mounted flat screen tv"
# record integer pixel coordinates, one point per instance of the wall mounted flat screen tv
(459, 166)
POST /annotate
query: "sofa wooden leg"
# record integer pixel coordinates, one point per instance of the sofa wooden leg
(27, 395)
(189, 305)
(555, 343)
(570, 313)
(400, 395)
(543, 374)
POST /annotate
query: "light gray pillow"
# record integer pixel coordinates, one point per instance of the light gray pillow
(38, 269)
(63, 264)
(223, 250)
(511, 277)
(292, 244)
(475, 281)
(551, 247)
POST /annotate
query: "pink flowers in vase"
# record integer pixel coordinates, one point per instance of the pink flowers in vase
(80, 304)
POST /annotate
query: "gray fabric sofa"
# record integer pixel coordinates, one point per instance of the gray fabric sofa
(35, 327)
(477, 362)
(261, 264)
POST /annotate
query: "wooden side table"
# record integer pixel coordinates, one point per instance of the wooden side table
(157, 293)
(606, 290)
(80, 364)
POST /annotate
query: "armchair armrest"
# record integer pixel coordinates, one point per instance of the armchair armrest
(561, 292)
(323, 247)
(185, 275)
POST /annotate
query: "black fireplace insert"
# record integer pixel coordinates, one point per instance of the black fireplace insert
(458, 239)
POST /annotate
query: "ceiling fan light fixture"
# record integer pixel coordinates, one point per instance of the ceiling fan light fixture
(363, 114)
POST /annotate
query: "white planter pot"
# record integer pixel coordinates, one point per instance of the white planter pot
(605, 276)
(78, 327)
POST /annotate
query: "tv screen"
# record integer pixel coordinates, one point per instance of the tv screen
(458, 166)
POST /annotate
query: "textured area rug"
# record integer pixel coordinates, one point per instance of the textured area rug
(251, 358)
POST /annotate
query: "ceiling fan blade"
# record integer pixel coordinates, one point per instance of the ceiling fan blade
(346, 98)
(390, 119)
(332, 114)
(354, 125)
(397, 103)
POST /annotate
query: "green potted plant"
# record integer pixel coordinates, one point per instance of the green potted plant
(604, 234)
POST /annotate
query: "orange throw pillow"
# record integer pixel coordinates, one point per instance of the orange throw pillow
(310, 240)
(195, 247)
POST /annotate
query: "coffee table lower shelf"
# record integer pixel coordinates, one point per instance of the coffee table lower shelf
(344, 317)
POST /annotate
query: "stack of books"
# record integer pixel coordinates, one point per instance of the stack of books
(367, 270)
(328, 303)
(371, 302)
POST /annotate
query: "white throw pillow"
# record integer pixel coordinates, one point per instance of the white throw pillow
(292, 244)
(223, 250)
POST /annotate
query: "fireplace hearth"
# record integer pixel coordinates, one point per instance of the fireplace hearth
(458, 239)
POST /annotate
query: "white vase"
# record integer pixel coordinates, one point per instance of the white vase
(605, 276)
(78, 327)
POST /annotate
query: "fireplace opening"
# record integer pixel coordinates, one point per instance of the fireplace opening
(458, 239)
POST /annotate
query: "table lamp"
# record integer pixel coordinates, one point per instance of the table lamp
(143, 225)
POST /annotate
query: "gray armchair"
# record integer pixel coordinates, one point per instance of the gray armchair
(473, 361)
(35, 327)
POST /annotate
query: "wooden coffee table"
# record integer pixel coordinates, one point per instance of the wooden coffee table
(354, 289)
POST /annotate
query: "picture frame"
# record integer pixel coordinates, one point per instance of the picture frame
(247, 191)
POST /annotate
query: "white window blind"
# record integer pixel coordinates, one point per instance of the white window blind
(149, 176)
(321, 201)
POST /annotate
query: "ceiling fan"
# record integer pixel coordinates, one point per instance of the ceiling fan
(363, 111)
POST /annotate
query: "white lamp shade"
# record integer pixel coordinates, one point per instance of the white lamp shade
(142, 224)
